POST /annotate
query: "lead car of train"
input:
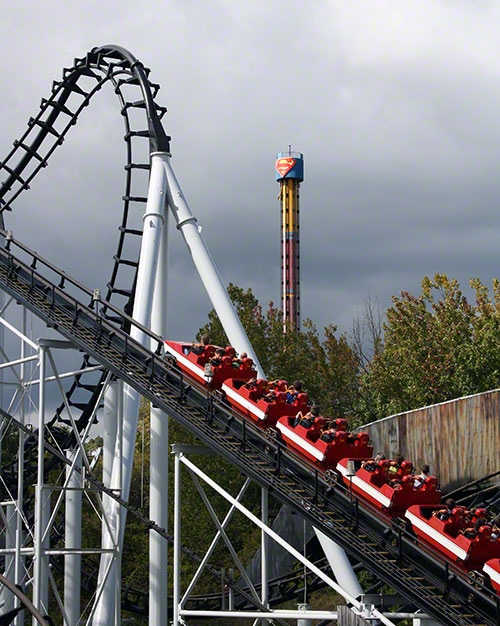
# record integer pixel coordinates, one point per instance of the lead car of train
(470, 546)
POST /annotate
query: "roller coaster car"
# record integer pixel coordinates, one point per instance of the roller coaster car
(492, 569)
(194, 364)
(307, 442)
(391, 493)
(251, 402)
(445, 535)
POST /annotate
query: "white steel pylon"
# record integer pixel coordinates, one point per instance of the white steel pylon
(149, 310)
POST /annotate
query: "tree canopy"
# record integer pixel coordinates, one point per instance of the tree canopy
(437, 346)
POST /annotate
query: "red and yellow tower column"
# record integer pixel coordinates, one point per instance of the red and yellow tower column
(290, 173)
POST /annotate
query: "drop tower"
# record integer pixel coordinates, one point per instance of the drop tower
(289, 174)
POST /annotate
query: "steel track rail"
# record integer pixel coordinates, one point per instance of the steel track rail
(422, 577)
(46, 131)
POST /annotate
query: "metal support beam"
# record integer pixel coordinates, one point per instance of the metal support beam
(340, 564)
(158, 481)
(214, 543)
(191, 231)
(73, 538)
(177, 539)
(41, 579)
(154, 219)
(180, 458)
(264, 550)
(19, 560)
(10, 543)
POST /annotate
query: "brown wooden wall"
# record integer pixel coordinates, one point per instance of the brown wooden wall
(459, 439)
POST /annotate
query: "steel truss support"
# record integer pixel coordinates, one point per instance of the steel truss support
(26, 543)
(73, 537)
(207, 270)
(179, 612)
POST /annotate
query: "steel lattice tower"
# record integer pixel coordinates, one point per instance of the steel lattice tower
(290, 173)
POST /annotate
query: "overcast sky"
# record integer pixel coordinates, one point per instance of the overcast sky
(394, 104)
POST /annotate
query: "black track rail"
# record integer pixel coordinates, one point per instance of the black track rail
(391, 554)
(30, 154)
(48, 129)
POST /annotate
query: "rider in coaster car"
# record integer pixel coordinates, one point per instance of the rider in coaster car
(307, 420)
(420, 478)
(237, 362)
(293, 391)
(328, 434)
(480, 514)
(251, 384)
(199, 348)
(395, 469)
(271, 389)
(445, 514)
(217, 359)
(472, 533)
(372, 464)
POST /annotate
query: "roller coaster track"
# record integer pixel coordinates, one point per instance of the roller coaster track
(391, 554)
(46, 131)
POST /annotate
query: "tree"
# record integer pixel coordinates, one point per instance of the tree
(328, 367)
(435, 349)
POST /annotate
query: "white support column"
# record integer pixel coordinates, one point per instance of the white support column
(2, 344)
(73, 539)
(207, 270)
(341, 567)
(264, 551)
(18, 559)
(158, 481)
(10, 543)
(154, 218)
(177, 539)
(41, 579)
(118, 487)
(304, 621)
(109, 436)
(10, 522)
(109, 429)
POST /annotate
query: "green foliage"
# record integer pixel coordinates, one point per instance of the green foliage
(438, 346)
(328, 367)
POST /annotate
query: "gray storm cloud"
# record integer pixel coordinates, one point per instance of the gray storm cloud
(394, 105)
